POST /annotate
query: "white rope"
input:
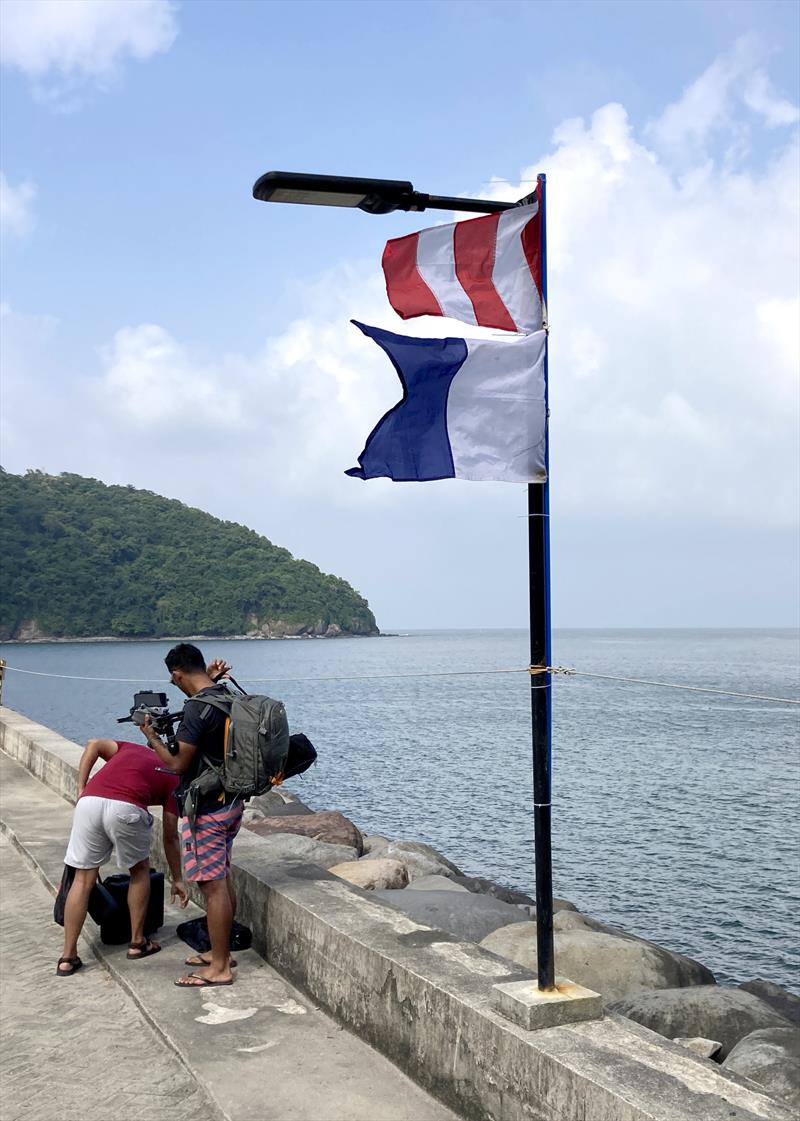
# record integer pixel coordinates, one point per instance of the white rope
(300, 680)
(564, 671)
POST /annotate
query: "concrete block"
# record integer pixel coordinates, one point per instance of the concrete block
(525, 1004)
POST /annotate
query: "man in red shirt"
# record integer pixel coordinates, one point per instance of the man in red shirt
(112, 812)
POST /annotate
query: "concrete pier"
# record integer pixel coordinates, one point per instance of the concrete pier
(419, 996)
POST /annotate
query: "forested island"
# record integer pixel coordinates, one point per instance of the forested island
(81, 559)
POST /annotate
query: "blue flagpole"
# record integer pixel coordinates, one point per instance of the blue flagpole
(541, 692)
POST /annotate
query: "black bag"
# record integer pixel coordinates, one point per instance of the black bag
(300, 756)
(115, 924)
(100, 902)
(195, 934)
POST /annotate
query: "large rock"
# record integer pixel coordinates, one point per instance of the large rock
(436, 883)
(373, 875)
(770, 1057)
(419, 859)
(712, 1011)
(375, 842)
(469, 917)
(705, 1048)
(613, 966)
(481, 886)
(277, 803)
(329, 826)
(783, 1001)
(281, 847)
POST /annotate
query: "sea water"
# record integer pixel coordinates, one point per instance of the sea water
(675, 813)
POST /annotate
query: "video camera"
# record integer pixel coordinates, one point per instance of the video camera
(156, 707)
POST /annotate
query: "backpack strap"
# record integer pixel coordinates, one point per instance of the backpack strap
(214, 702)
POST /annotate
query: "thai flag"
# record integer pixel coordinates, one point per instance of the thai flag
(485, 271)
(471, 409)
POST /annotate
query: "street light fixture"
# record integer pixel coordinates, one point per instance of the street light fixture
(383, 196)
(375, 196)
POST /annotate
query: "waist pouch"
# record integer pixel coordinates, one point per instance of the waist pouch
(205, 786)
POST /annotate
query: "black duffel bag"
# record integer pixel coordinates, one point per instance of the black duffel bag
(115, 925)
(99, 900)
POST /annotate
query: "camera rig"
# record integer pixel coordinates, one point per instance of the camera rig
(156, 707)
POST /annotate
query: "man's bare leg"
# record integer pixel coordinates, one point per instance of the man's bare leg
(75, 908)
(219, 913)
(138, 898)
(205, 959)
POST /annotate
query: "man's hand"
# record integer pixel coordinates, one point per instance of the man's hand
(178, 890)
(148, 731)
(217, 669)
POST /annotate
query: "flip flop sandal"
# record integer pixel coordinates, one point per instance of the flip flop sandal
(198, 960)
(74, 965)
(146, 948)
(198, 982)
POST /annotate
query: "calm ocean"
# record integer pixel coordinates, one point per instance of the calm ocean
(675, 813)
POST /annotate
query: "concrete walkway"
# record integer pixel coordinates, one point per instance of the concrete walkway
(118, 1041)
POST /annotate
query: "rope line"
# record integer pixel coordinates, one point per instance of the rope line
(564, 671)
(373, 677)
(568, 672)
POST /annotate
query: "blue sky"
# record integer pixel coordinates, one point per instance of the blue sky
(162, 328)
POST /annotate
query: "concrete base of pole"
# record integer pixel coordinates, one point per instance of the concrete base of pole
(525, 1004)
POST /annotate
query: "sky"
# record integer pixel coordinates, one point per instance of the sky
(161, 328)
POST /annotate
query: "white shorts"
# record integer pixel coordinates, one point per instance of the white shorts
(101, 824)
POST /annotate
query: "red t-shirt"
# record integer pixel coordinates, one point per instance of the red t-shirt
(132, 775)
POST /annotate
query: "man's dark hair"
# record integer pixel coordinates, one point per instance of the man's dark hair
(185, 657)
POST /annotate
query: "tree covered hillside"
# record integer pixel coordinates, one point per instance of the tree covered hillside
(84, 559)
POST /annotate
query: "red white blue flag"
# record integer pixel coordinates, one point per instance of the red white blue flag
(471, 409)
(485, 271)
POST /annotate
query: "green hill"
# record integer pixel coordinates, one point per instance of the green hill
(83, 559)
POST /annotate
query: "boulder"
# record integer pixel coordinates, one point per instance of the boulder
(277, 802)
(613, 966)
(705, 1048)
(419, 859)
(281, 847)
(481, 886)
(469, 917)
(770, 1057)
(436, 883)
(329, 826)
(713, 1011)
(782, 1000)
(373, 875)
(375, 842)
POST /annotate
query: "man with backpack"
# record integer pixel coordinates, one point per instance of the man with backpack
(207, 841)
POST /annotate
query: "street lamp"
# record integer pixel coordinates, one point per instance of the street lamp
(375, 196)
(383, 196)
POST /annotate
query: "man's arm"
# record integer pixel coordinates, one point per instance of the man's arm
(94, 750)
(178, 763)
(172, 852)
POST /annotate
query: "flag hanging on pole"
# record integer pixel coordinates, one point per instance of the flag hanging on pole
(471, 409)
(486, 271)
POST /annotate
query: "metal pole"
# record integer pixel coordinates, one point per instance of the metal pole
(541, 711)
(2, 677)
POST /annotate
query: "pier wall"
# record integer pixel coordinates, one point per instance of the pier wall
(424, 999)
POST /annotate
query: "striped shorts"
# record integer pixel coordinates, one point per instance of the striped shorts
(207, 854)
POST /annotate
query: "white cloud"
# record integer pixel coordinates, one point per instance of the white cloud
(16, 207)
(67, 41)
(713, 103)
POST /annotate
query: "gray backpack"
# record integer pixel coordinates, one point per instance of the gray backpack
(256, 744)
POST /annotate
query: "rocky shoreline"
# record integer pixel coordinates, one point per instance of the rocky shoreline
(752, 1029)
(43, 639)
